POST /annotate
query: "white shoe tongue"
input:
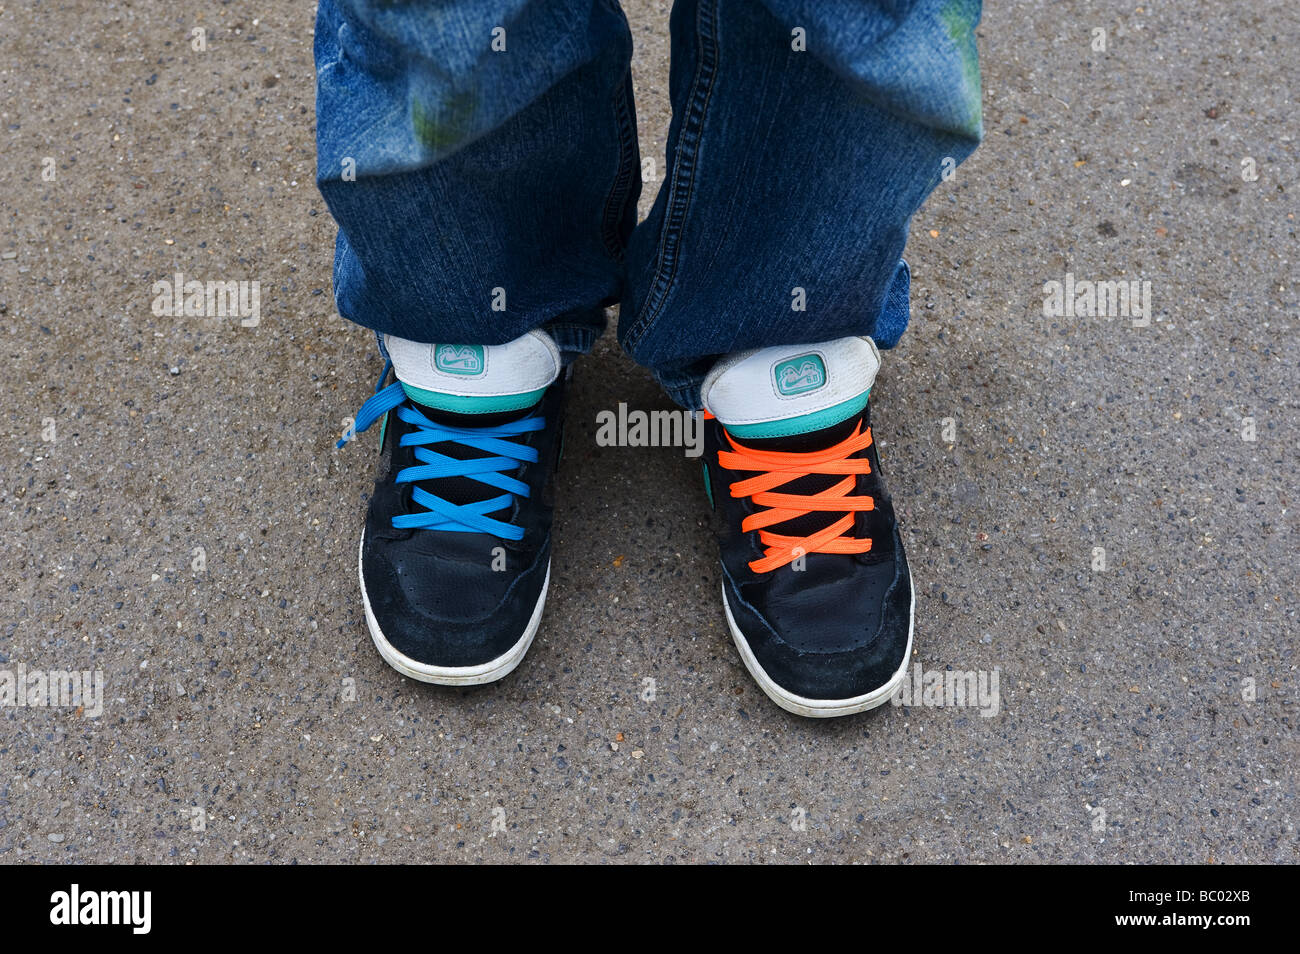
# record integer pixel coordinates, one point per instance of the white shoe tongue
(792, 389)
(476, 379)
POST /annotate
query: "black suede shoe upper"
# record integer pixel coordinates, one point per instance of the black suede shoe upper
(455, 599)
(839, 627)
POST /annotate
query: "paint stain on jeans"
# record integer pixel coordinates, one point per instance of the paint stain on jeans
(443, 126)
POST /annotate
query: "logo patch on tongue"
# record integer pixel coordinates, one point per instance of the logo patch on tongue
(466, 360)
(475, 378)
(791, 389)
(799, 375)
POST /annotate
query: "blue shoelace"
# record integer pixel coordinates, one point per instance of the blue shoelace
(443, 514)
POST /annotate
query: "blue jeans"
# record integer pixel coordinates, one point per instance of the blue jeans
(480, 158)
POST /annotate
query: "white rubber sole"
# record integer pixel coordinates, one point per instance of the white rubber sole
(820, 708)
(490, 671)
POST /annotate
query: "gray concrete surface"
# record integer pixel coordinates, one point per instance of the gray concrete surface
(1126, 730)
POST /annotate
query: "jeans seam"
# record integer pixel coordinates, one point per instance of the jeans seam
(683, 183)
(616, 198)
(618, 190)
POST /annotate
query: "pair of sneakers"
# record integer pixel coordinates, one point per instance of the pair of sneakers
(455, 556)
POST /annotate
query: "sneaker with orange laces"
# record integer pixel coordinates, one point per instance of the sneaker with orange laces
(815, 583)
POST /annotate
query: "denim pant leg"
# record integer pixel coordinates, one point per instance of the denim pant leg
(805, 133)
(480, 159)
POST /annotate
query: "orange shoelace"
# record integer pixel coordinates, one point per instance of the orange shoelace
(778, 467)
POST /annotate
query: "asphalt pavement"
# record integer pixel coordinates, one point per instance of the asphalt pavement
(1100, 511)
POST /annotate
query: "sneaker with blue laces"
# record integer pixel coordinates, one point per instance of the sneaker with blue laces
(455, 554)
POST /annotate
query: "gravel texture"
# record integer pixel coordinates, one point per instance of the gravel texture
(247, 717)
